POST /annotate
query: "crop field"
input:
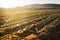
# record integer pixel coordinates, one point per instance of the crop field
(28, 24)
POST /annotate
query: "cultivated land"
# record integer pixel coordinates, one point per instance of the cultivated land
(15, 23)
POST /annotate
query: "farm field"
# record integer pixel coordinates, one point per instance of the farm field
(29, 24)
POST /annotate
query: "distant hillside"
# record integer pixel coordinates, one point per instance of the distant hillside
(37, 6)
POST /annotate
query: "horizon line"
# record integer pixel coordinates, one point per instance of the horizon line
(29, 4)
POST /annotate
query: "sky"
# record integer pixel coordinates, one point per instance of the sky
(15, 3)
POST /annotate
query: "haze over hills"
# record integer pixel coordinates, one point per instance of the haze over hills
(37, 6)
(40, 6)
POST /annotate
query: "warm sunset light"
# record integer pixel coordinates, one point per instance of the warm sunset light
(29, 19)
